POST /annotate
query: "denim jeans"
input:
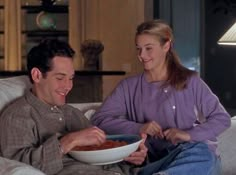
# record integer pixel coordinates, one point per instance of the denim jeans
(185, 159)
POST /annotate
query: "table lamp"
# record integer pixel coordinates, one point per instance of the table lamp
(229, 38)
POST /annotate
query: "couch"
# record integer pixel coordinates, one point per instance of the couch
(14, 87)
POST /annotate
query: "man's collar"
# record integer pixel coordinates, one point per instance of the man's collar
(41, 106)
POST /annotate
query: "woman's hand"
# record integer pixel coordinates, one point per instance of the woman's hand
(85, 137)
(153, 129)
(140, 155)
(176, 135)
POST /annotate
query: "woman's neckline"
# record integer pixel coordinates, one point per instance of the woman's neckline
(159, 82)
(152, 82)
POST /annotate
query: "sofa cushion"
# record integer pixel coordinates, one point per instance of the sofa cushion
(87, 108)
(227, 149)
(11, 167)
(12, 88)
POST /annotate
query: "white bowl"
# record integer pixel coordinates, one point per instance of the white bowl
(112, 155)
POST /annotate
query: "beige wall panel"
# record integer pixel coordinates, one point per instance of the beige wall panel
(92, 19)
(75, 33)
(118, 21)
(12, 32)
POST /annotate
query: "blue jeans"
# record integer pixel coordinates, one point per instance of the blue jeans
(185, 159)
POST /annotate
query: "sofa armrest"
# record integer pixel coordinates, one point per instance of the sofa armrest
(87, 108)
(227, 149)
(12, 167)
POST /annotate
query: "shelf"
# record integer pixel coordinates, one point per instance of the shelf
(46, 33)
(53, 9)
(87, 73)
(78, 73)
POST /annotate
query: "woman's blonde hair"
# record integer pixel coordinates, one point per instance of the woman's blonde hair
(177, 73)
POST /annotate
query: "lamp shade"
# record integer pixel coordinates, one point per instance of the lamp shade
(229, 38)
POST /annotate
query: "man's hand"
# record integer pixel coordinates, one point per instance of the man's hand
(85, 137)
(176, 135)
(139, 156)
(152, 128)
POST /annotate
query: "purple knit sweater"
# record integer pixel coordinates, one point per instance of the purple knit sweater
(135, 102)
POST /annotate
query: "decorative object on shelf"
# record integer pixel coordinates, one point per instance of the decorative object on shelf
(47, 4)
(91, 51)
(45, 19)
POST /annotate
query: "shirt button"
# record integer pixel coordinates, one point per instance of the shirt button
(165, 90)
(173, 107)
(60, 119)
(51, 108)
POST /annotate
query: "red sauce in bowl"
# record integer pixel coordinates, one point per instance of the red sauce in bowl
(106, 145)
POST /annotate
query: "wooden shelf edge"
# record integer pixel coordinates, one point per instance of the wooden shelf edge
(38, 33)
(78, 73)
(53, 9)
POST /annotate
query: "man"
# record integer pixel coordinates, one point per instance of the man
(40, 129)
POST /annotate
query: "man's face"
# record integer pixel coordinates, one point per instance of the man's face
(53, 88)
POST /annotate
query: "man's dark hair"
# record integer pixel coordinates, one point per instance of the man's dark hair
(41, 55)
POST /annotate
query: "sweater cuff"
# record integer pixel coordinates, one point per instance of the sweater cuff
(53, 160)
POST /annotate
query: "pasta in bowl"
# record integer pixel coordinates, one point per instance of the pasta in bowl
(114, 150)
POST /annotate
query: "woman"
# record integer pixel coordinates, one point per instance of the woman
(171, 104)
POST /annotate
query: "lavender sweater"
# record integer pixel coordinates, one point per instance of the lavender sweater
(134, 102)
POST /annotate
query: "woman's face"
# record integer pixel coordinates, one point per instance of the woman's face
(150, 52)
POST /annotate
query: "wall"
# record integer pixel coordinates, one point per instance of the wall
(198, 25)
(184, 18)
(220, 61)
(114, 22)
